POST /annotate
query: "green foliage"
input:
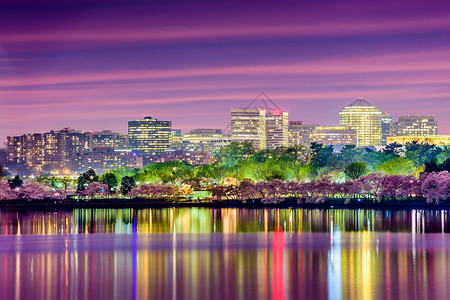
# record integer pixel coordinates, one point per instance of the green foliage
(166, 176)
(397, 166)
(393, 149)
(167, 166)
(146, 176)
(2, 172)
(15, 182)
(127, 184)
(420, 153)
(55, 182)
(123, 171)
(234, 152)
(305, 172)
(275, 172)
(356, 169)
(110, 180)
(321, 155)
(86, 178)
(241, 161)
(434, 166)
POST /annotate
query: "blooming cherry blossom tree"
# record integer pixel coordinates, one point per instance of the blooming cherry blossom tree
(94, 189)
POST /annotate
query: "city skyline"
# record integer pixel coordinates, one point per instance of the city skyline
(227, 129)
(97, 66)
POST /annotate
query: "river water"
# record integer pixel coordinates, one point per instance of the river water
(194, 253)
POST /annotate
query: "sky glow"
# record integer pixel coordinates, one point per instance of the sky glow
(95, 65)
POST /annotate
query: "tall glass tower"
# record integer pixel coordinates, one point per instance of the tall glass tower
(365, 119)
(149, 136)
(249, 125)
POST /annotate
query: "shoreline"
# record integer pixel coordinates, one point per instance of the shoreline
(159, 204)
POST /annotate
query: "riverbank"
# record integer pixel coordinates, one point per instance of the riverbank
(256, 204)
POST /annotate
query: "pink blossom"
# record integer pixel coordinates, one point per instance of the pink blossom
(5, 192)
(93, 189)
(436, 186)
(34, 191)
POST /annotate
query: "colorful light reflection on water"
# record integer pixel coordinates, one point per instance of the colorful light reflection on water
(227, 220)
(224, 254)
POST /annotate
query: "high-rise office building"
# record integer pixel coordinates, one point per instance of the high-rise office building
(176, 139)
(50, 148)
(15, 148)
(334, 135)
(109, 139)
(59, 145)
(149, 136)
(415, 126)
(277, 125)
(365, 119)
(104, 159)
(386, 122)
(249, 125)
(210, 139)
(300, 134)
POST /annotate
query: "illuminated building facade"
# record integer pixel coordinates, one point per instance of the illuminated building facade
(334, 135)
(52, 148)
(365, 119)
(15, 148)
(149, 136)
(386, 122)
(210, 139)
(300, 134)
(109, 139)
(415, 126)
(249, 125)
(190, 157)
(438, 140)
(102, 160)
(59, 145)
(176, 139)
(277, 125)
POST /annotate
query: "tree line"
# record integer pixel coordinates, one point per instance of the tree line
(312, 174)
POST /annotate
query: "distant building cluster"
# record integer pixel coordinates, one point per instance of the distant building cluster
(150, 140)
(71, 150)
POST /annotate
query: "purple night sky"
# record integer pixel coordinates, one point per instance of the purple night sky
(94, 65)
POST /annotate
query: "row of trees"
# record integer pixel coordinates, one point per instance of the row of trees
(31, 191)
(434, 187)
(37, 191)
(242, 162)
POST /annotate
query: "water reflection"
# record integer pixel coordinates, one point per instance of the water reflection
(190, 254)
(277, 265)
(227, 220)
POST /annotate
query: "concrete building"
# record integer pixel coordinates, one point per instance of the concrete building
(109, 139)
(210, 139)
(249, 125)
(102, 160)
(365, 119)
(334, 135)
(277, 126)
(415, 126)
(300, 134)
(190, 157)
(15, 149)
(149, 136)
(59, 145)
(52, 148)
(386, 123)
(438, 140)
